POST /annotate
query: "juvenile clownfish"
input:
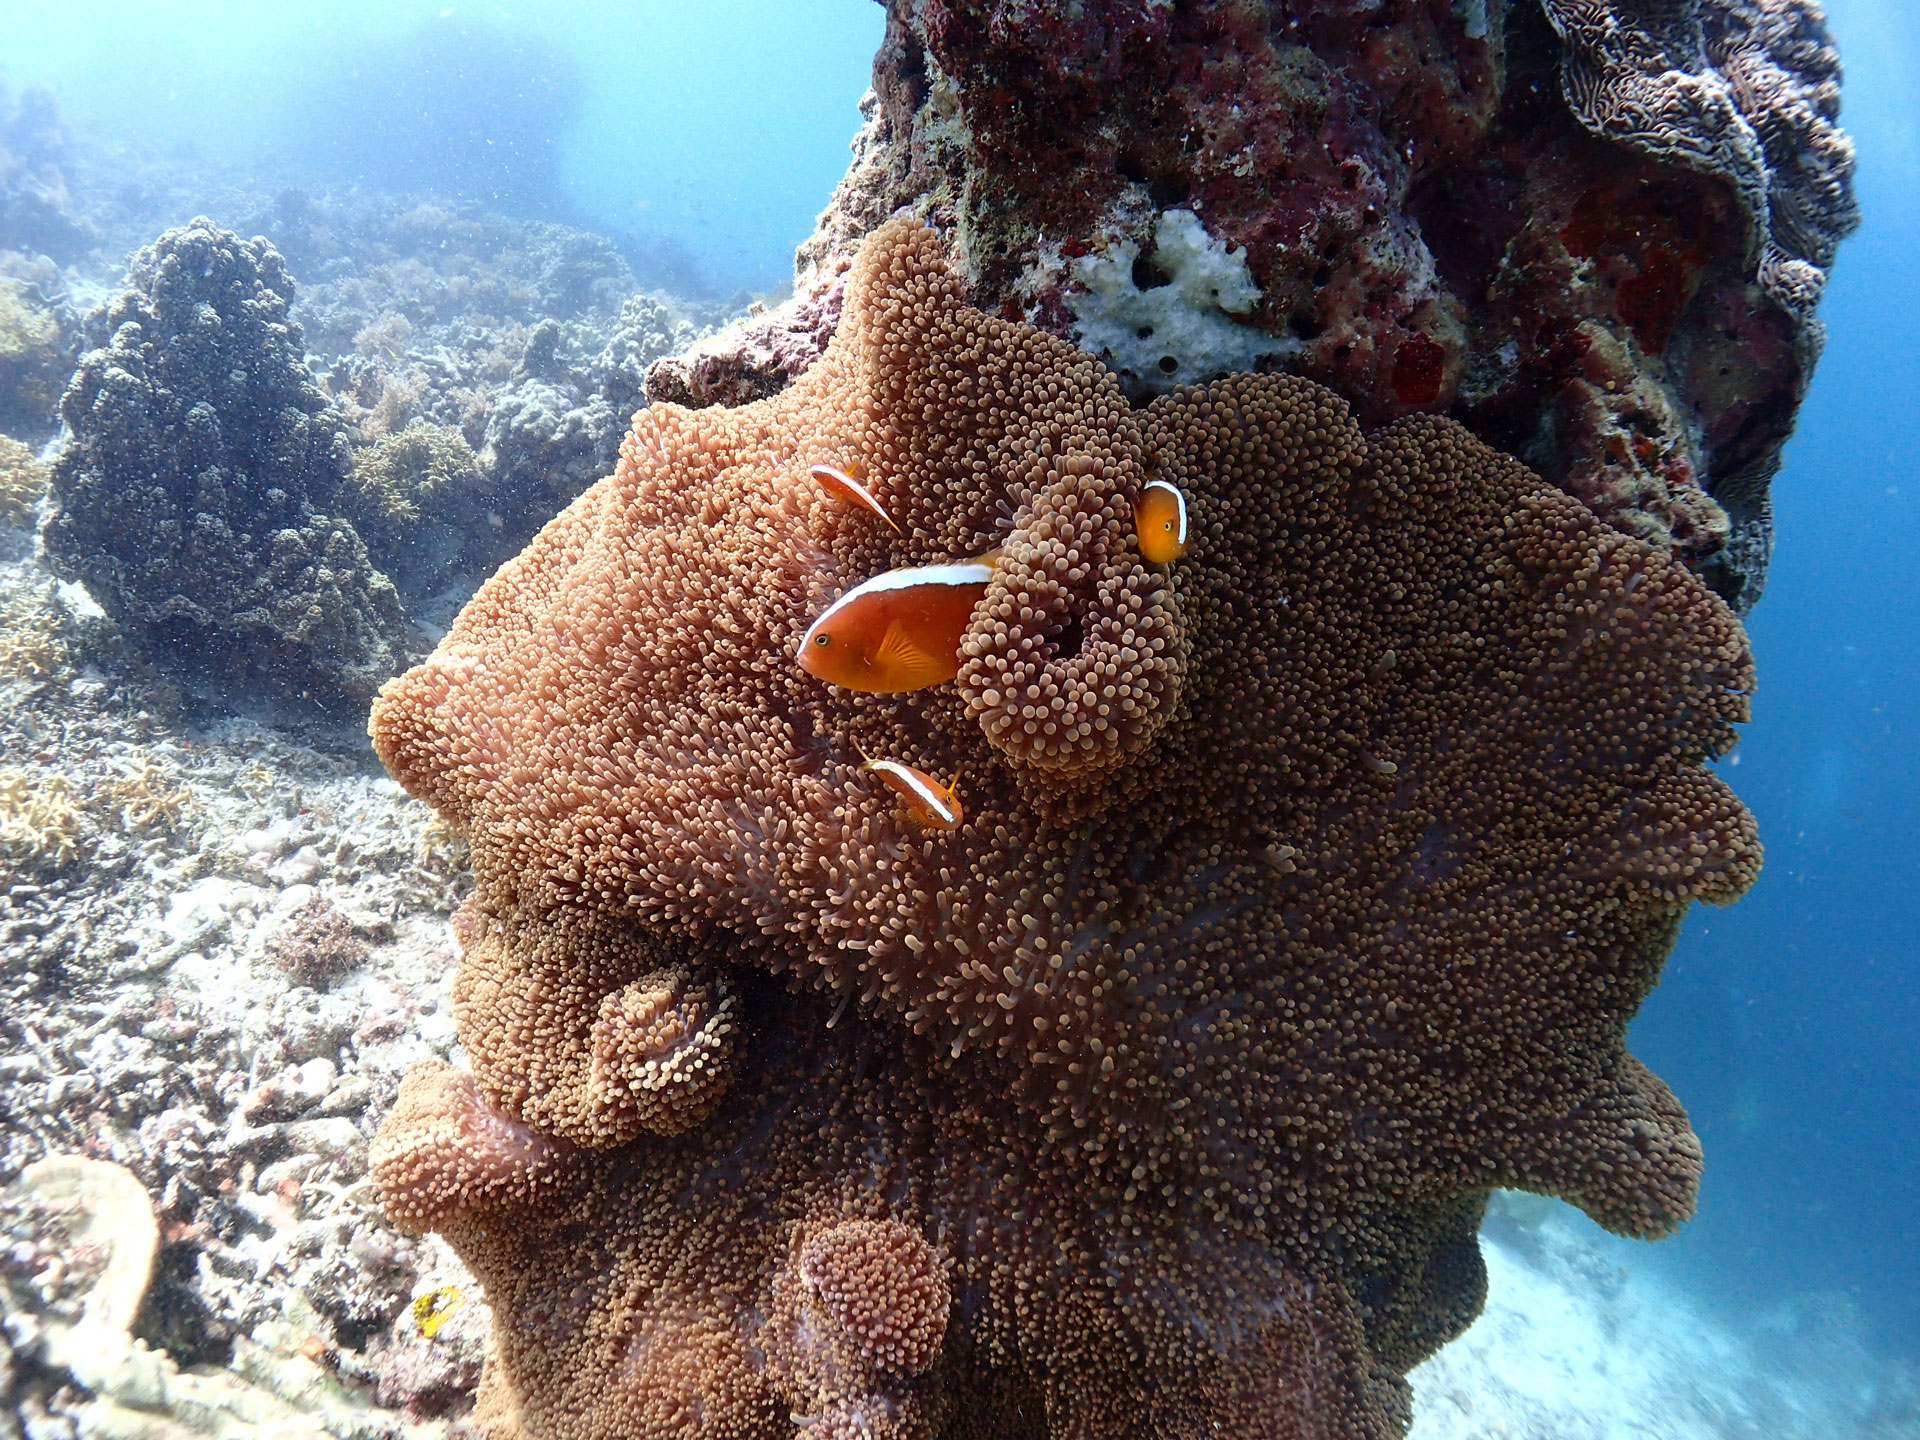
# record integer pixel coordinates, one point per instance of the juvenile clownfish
(1160, 521)
(848, 483)
(925, 799)
(898, 631)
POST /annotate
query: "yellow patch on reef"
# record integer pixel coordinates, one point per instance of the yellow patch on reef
(40, 817)
(396, 480)
(434, 1308)
(23, 480)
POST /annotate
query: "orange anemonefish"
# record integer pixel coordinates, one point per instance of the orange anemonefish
(1160, 521)
(898, 631)
(848, 483)
(924, 798)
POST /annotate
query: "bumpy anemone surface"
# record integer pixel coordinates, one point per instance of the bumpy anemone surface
(1305, 891)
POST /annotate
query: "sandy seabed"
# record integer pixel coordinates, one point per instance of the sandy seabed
(1585, 1337)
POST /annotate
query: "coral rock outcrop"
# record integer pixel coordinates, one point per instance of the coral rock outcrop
(1593, 231)
(1748, 92)
(197, 493)
(1306, 889)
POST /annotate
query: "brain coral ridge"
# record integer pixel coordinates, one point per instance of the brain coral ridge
(1305, 892)
(1748, 90)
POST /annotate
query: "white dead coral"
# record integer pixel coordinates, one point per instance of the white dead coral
(1168, 319)
(105, 1212)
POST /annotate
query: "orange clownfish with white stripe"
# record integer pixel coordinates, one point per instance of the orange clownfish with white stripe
(898, 631)
(849, 483)
(926, 801)
(1160, 521)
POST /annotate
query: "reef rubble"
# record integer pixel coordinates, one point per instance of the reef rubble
(223, 938)
(219, 950)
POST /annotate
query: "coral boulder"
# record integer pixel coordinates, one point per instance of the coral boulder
(197, 493)
(1305, 891)
(1593, 231)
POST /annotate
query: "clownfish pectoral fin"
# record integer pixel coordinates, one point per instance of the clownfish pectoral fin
(898, 654)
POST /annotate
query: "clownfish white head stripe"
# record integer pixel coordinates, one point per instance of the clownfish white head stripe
(924, 798)
(1160, 521)
(848, 483)
(909, 577)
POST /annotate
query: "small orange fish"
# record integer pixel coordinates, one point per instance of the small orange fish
(898, 631)
(925, 799)
(1160, 521)
(848, 483)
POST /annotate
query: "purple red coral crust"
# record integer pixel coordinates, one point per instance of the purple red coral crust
(1399, 179)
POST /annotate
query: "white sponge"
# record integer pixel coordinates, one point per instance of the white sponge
(1178, 330)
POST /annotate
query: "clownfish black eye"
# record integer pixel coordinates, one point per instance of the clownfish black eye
(821, 639)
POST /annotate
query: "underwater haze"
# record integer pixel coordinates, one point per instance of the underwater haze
(503, 223)
(709, 130)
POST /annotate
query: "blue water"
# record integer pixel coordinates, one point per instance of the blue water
(714, 130)
(1790, 1023)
